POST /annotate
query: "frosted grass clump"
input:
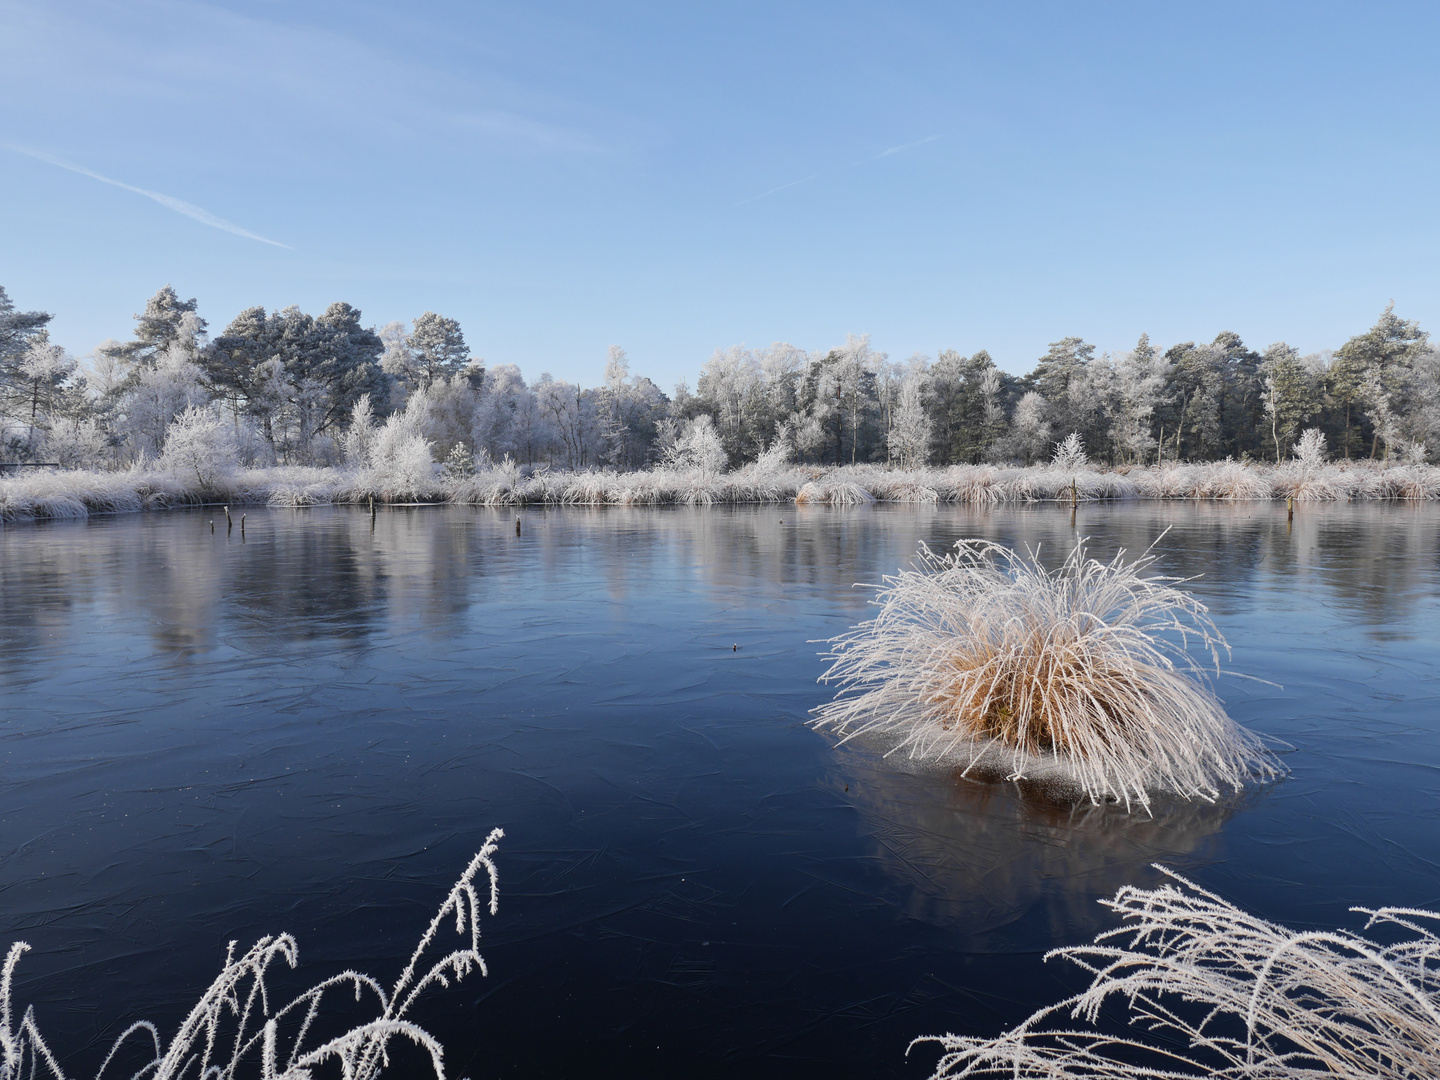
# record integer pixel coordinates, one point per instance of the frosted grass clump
(234, 1030)
(1081, 673)
(1212, 991)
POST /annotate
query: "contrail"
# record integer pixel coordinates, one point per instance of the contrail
(773, 190)
(906, 146)
(190, 210)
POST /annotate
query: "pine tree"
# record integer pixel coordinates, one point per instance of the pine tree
(1291, 396)
(438, 348)
(1370, 372)
(157, 327)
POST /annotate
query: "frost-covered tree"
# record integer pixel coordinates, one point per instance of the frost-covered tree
(727, 387)
(569, 416)
(1058, 377)
(698, 447)
(165, 320)
(1369, 375)
(20, 331)
(452, 411)
(399, 454)
(360, 434)
(856, 364)
(506, 406)
(1310, 449)
(44, 369)
(437, 349)
(147, 400)
(1140, 386)
(1029, 436)
(298, 376)
(1291, 396)
(77, 443)
(909, 435)
(965, 401)
(1194, 407)
(1070, 453)
(200, 443)
(782, 366)
(1422, 412)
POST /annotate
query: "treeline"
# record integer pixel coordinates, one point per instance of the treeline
(287, 387)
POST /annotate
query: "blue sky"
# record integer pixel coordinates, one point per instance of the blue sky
(676, 178)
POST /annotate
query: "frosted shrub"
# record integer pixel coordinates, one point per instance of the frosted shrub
(1211, 991)
(699, 447)
(201, 444)
(1082, 671)
(1070, 454)
(234, 1029)
(355, 443)
(1310, 449)
(774, 458)
(459, 465)
(400, 455)
(77, 444)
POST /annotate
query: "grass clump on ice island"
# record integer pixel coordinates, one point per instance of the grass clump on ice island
(1212, 991)
(236, 1029)
(1080, 674)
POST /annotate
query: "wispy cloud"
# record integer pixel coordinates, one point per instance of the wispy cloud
(903, 148)
(854, 164)
(190, 210)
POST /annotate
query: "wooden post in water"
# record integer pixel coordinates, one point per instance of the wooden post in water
(242, 526)
(229, 524)
(1290, 508)
(212, 526)
(517, 526)
(1074, 498)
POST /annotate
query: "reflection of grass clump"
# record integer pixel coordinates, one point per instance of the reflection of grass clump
(235, 1030)
(1225, 994)
(1083, 668)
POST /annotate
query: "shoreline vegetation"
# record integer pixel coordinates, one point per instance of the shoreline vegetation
(54, 494)
(405, 412)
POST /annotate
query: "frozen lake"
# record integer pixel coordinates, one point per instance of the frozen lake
(204, 739)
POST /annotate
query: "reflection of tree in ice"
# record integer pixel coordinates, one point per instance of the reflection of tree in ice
(981, 856)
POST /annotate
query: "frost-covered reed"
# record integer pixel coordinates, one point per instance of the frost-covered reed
(405, 478)
(1080, 674)
(1212, 991)
(237, 1029)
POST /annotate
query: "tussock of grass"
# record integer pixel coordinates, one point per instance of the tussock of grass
(1211, 991)
(1082, 671)
(235, 1029)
